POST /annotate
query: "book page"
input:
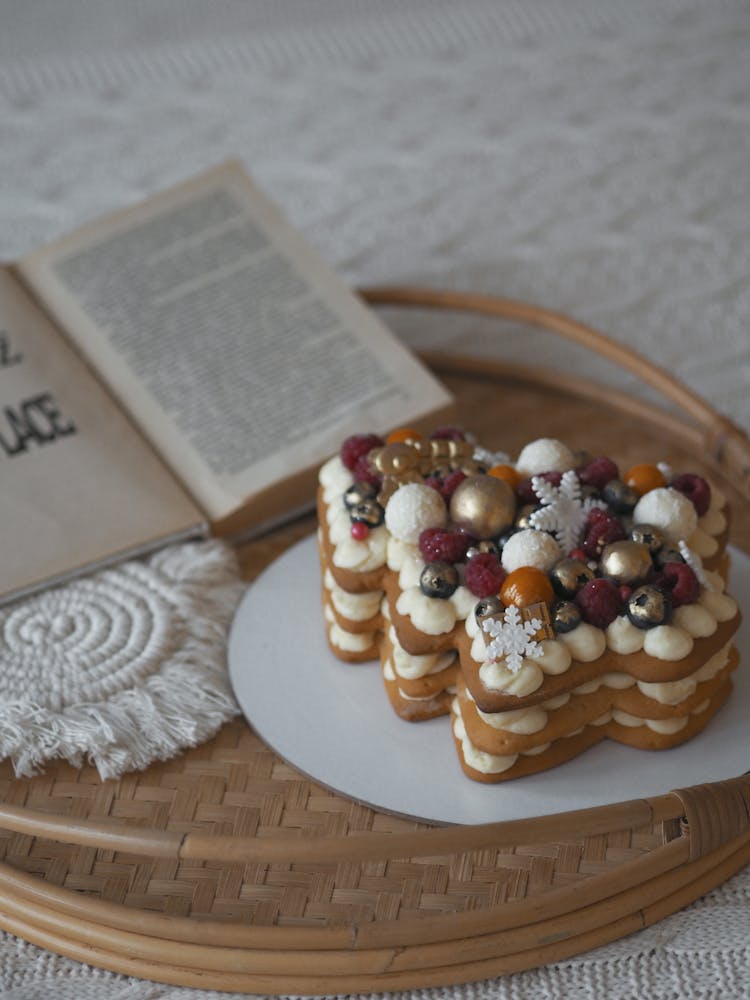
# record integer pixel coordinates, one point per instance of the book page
(80, 485)
(239, 351)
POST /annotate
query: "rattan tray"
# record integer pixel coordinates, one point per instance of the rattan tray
(227, 869)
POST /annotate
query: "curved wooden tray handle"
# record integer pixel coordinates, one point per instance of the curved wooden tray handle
(726, 444)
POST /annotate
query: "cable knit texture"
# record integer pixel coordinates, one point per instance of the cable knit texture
(588, 155)
(121, 668)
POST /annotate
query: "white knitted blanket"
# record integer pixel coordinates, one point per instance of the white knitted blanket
(588, 155)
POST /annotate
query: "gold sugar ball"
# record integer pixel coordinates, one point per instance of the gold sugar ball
(625, 562)
(484, 506)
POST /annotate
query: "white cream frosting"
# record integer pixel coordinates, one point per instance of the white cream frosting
(585, 643)
(335, 479)
(713, 522)
(623, 637)
(664, 726)
(696, 620)
(485, 763)
(721, 606)
(350, 642)
(355, 607)
(703, 544)
(667, 642)
(410, 666)
(362, 556)
(496, 677)
(429, 615)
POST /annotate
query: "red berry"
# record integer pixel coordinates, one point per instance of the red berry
(448, 434)
(696, 489)
(603, 531)
(578, 554)
(680, 582)
(360, 530)
(434, 482)
(484, 576)
(356, 445)
(598, 472)
(599, 602)
(451, 481)
(364, 473)
(625, 591)
(439, 545)
(526, 492)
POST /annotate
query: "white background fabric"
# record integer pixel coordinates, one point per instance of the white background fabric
(588, 155)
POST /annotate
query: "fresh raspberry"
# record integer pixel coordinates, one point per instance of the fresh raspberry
(696, 489)
(439, 545)
(451, 481)
(596, 514)
(599, 601)
(526, 492)
(598, 472)
(601, 532)
(680, 582)
(357, 445)
(364, 472)
(484, 576)
(360, 531)
(448, 434)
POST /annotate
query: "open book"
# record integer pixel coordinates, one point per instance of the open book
(182, 365)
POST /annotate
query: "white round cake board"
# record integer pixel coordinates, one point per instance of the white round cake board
(333, 721)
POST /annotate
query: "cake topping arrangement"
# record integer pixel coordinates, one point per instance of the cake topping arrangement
(536, 577)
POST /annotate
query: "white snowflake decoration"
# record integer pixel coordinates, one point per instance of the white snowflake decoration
(512, 638)
(563, 511)
(666, 471)
(490, 458)
(694, 561)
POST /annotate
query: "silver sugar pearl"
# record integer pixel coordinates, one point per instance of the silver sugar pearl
(667, 554)
(523, 516)
(487, 606)
(648, 535)
(369, 512)
(358, 492)
(439, 579)
(565, 616)
(569, 575)
(486, 545)
(619, 497)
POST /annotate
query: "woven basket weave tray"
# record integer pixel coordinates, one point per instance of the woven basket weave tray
(227, 869)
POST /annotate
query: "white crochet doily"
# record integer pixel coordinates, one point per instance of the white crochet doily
(123, 667)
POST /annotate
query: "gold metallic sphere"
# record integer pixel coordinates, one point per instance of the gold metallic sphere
(484, 506)
(626, 562)
(395, 458)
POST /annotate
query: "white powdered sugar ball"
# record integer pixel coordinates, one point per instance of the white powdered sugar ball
(669, 510)
(545, 455)
(530, 548)
(411, 509)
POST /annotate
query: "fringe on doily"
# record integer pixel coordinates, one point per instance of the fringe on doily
(182, 705)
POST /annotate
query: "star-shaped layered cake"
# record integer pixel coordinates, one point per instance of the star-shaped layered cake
(543, 604)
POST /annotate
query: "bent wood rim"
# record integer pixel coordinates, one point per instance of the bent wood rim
(695, 879)
(382, 934)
